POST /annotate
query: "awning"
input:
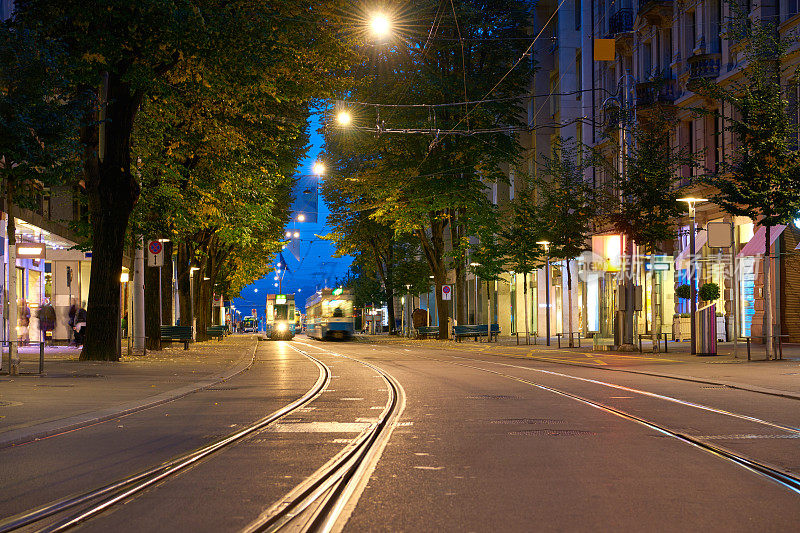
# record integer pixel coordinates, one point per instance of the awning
(756, 245)
(699, 241)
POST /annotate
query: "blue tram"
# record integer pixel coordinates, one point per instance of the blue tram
(329, 314)
(280, 316)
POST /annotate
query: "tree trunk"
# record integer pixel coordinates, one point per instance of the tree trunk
(184, 286)
(767, 291)
(488, 312)
(201, 300)
(525, 304)
(13, 355)
(655, 305)
(389, 287)
(112, 192)
(459, 263)
(166, 285)
(152, 328)
(434, 253)
(569, 303)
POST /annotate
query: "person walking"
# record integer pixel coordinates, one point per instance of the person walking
(23, 322)
(73, 309)
(47, 320)
(80, 325)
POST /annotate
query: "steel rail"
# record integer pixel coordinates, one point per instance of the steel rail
(785, 479)
(125, 488)
(334, 486)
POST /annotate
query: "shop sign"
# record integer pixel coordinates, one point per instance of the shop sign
(30, 250)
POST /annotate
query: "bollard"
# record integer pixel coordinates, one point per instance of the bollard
(41, 357)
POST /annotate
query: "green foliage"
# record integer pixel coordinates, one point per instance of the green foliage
(762, 178)
(38, 118)
(567, 205)
(683, 291)
(520, 233)
(709, 292)
(646, 204)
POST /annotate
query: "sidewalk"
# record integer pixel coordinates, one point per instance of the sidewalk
(780, 378)
(72, 393)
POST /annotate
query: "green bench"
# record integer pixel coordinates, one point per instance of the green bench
(475, 331)
(426, 331)
(177, 334)
(217, 332)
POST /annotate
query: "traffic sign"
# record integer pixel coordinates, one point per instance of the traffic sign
(155, 254)
(447, 292)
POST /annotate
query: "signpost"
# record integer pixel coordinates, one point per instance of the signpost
(155, 258)
(447, 292)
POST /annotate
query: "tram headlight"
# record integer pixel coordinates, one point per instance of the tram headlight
(281, 327)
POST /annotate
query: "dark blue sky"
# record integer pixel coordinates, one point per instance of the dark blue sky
(316, 268)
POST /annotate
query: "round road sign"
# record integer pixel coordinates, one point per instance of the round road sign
(155, 247)
(446, 289)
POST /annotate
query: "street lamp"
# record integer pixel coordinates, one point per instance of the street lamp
(344, 118)
(692, 202)
(318, 168)
(301, 217)
(546, 245)
(380, 25)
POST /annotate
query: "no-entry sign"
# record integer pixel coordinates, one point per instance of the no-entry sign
(447, 292)
(155, 254)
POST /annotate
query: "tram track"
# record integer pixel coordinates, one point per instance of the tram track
(325, 499)
(99, 500)
(788, 480)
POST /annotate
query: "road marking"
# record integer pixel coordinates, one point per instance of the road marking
(429, 467)
(351, 399)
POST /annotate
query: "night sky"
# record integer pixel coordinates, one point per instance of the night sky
(316, 268)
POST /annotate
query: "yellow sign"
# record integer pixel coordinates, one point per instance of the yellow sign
(604, 49)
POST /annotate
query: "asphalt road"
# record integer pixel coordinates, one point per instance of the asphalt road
(483, 443)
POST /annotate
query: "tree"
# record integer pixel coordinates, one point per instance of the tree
(116, 54)
(487, 261)
(567, 206)
(762, 179)
(37, 119)
(429, 184)
(520, 235)
(645, 205)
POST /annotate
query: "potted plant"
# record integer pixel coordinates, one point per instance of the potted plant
(682, 325)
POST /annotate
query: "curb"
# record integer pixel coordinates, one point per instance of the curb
(76, 422)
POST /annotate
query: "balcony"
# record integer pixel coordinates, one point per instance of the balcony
(703, 67)
(660, 91)
(620, 22)
(655, 12)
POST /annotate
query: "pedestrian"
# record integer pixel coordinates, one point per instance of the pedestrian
(124, 325)
(80, 325)
(23, 322)
(73, 309)
(47, 320)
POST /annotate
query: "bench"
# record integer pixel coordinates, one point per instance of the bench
(425, 331)
(216, 332)
(475, 331)
(177, 333)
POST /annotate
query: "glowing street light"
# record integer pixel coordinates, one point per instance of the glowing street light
(296, 234)
(288, 234)
(318, 168)
(301, 217)
(380, 25)
(344, 118)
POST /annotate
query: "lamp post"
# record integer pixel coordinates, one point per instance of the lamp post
(410, 306)
(692, 202)
(546, 245)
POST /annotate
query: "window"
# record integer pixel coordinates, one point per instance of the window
(689, 30)
(578, 74)
(792, 8)
(577, 7)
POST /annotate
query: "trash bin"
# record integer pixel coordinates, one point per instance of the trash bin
(707, 330)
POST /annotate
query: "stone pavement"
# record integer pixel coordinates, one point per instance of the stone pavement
(72, 393)
(781, 378)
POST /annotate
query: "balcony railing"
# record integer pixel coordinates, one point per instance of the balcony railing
(647, 5)
(620, 22)
(703, 66)
(661, 91)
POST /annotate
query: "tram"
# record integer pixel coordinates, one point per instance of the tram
(329, 314)
(280, 316)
